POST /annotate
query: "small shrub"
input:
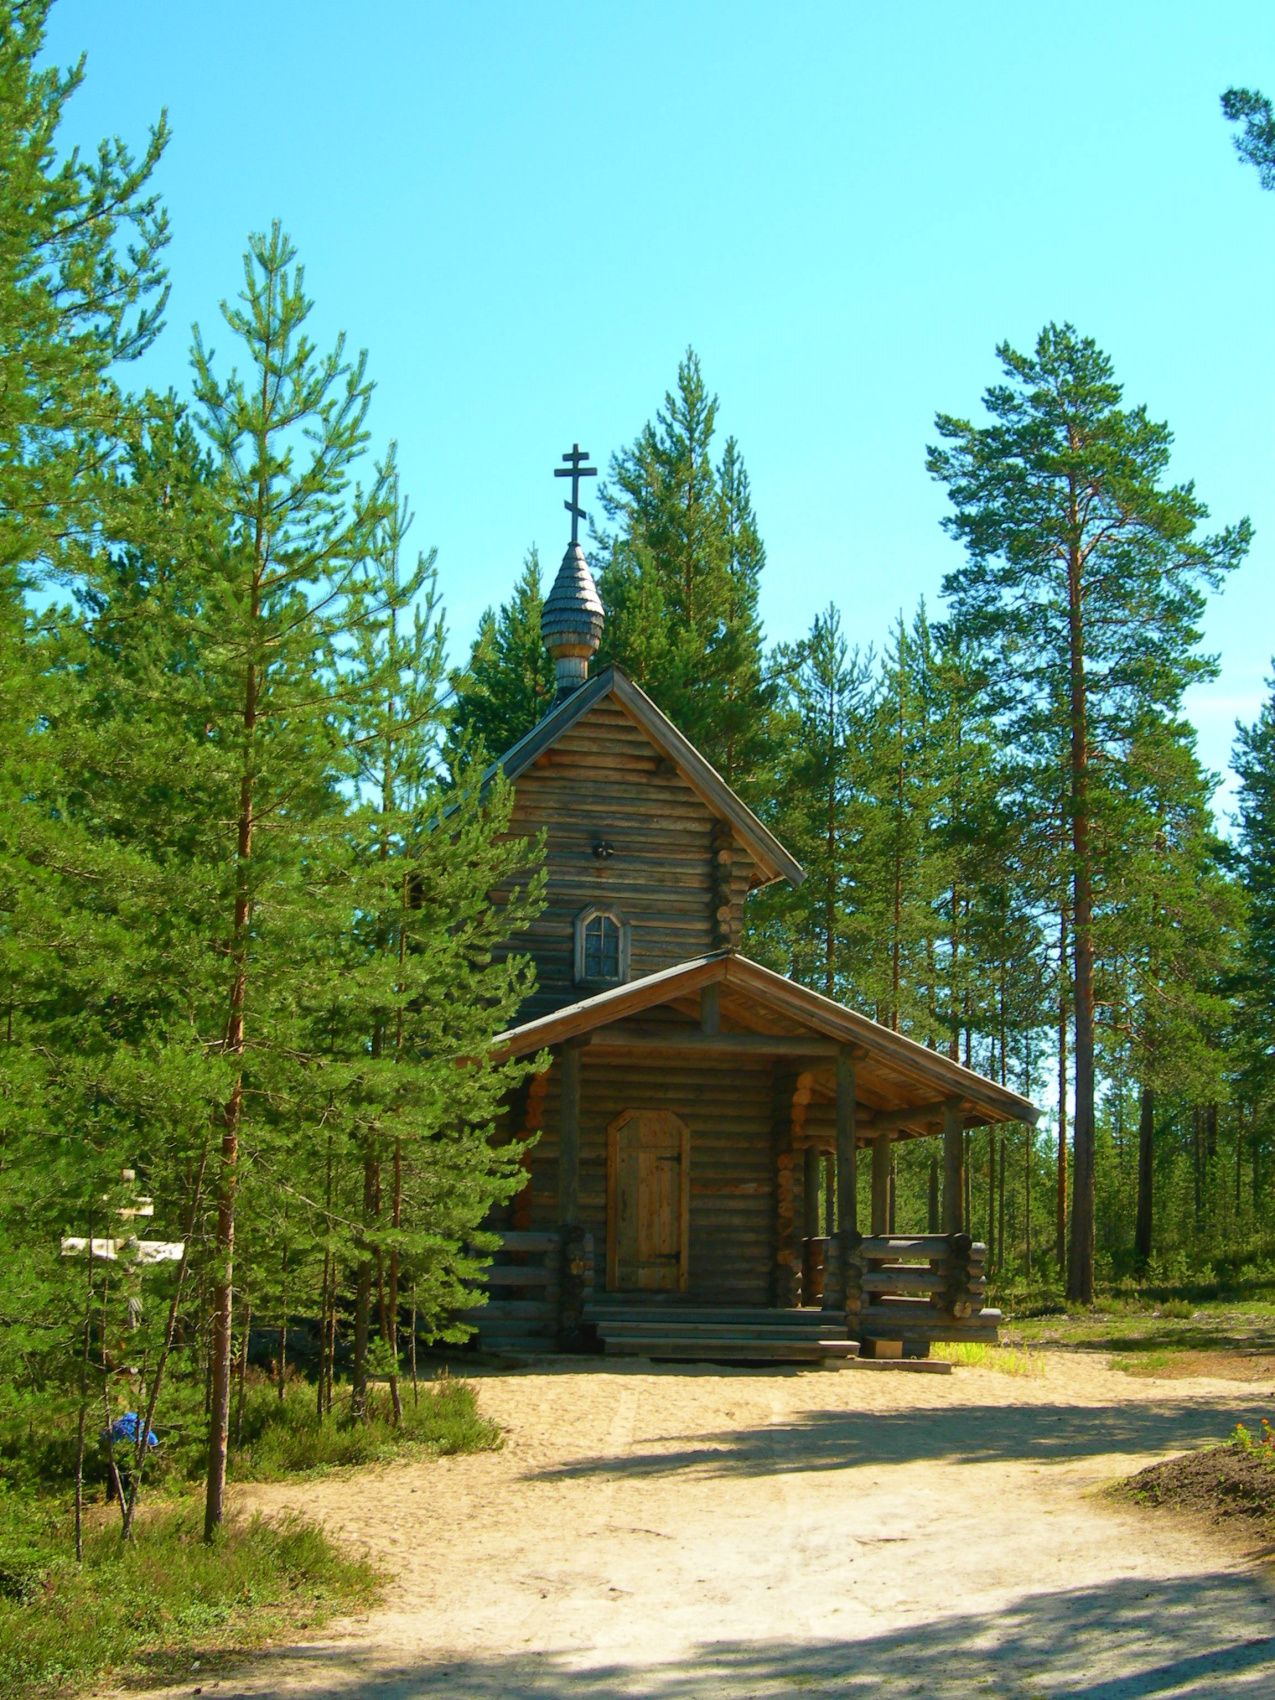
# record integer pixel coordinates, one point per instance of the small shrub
(1262, 1444)
(1179, 1310)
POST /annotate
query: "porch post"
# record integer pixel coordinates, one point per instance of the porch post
(569, 1137)
(953, 1167)
(810, 1192)
(573, 1251)
(841, 1281)
(881, 1184)
(847, 1173)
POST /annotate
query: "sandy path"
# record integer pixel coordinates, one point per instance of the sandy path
(687, 1532)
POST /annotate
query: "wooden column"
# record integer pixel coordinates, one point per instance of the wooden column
(881, 1148)
(953, 1167)
(569, 1137)
(810, 1192)
(710, 1009)
(847, 1173)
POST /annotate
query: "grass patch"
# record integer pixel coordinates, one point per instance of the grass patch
(287, 1438)
(1146, 1363)
(159, 1600)
(1173, 1363)
(1005, 1360)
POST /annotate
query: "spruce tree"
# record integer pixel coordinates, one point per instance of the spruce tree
(679, 571)
(509, 683)
(812, 931)
(1081, 595)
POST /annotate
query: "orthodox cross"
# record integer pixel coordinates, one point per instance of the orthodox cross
(575, 470)
(127, 1249)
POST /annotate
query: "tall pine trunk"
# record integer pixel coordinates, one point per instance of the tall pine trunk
(1060, 1189)
(1144, 1219)
(1080, 1262)
(232, 1117)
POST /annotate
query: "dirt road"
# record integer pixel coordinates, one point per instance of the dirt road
(682, 1533)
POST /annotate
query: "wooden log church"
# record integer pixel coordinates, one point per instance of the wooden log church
(692, 1189)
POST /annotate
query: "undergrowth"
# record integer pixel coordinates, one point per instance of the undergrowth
(154, 1602)
(150, 1603)
(286, 1438)
(269, 1437)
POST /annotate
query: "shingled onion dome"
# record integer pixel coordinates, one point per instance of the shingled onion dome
(571, 621)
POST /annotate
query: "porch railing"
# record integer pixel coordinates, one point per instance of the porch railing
(918, 1288)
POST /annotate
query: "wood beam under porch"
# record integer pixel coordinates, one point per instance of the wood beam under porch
(657, 1041)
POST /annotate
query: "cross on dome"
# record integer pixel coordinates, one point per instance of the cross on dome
(575, 470)
(571, 619)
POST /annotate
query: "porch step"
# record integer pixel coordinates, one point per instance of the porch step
(672, 1328)
(716, 1348)
(713, 1330)
(673, 1313)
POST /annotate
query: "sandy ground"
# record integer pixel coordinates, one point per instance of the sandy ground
(680, 1532)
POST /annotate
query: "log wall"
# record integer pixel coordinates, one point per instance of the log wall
(728, 1109)
(675, 872)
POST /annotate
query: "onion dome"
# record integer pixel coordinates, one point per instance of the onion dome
(571, 621)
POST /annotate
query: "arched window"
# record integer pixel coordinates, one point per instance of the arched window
(602, 948)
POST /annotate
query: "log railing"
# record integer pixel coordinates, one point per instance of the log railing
(917, 1288)
(537, 1285)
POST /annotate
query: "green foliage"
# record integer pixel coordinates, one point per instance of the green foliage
(1003, 1360)
(1256, 142)
(509, 684)
(680, 571)
(282, 1438)
(159, 1598)
(81, 288)
(1260, 1445)
(1080, 606)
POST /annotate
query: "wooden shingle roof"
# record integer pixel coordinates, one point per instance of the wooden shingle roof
(901, 1083)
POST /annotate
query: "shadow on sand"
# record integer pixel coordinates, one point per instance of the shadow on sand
(959, 1434)
(1200, 1637)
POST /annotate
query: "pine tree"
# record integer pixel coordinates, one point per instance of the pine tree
(81, 293)
(419, 992)
(81, 290)
(1254, 763)
(1081, 592)
(298, 538)
(1256, 143)
(1167, 930)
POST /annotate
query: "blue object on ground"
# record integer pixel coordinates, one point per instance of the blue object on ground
(127, 1428)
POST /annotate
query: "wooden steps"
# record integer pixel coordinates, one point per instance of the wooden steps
(747, 1349)
(716, 1333)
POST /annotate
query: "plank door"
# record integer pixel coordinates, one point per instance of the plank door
(648, 1202)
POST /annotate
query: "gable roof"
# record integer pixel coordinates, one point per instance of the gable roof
(769, 854)
(903, 1074)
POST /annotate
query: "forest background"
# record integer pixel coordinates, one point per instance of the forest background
(242, 957)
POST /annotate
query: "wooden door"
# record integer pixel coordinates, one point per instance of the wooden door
(648, 1202)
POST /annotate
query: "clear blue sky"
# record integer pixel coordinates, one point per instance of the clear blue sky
(527, 211)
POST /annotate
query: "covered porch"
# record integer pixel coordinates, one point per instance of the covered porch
(702, 1130)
